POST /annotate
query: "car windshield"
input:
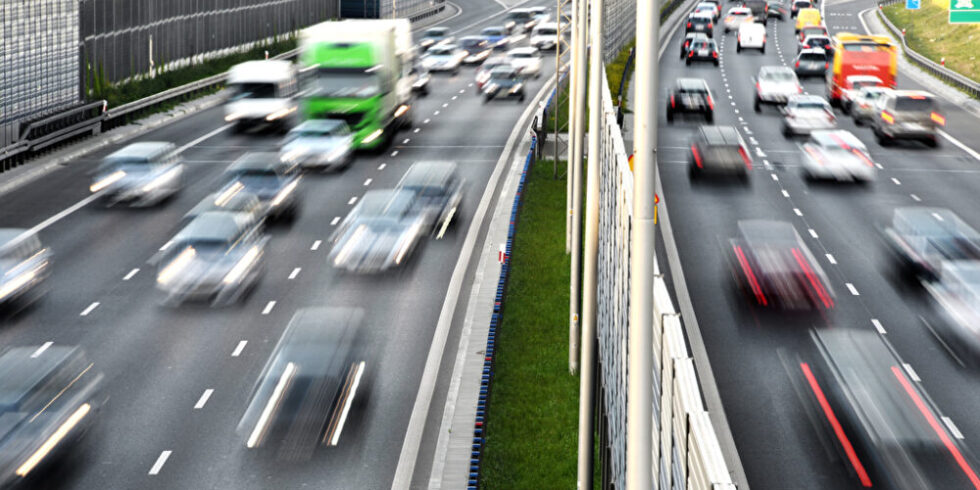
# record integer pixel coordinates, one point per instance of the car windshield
(472, 43)
(437, 32)
(522, 55)
(915, 104)
(329, 83)
(813, 57)
(777, 76)
(492, 31)
(441, 52)
(314, 133)
(253, 91)
(546, 31)
(518, 15)
(255, 178)
(818, 41)
(810, 106)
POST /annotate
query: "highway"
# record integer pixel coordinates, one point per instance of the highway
(755, 357)
(178, 379)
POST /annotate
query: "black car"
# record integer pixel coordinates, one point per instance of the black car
(700, 23)
(719, 150)
(691, 95)
(703, 50)
(760, 10)
(811, 63)
(504, 82)
(438, 190)
(776, 9)
(49, 396)
(273, 181)
(689, 38)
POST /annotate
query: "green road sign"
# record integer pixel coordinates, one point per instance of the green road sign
(964, 11)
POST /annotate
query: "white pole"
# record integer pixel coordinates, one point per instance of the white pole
(576, 137)
(586, 414)
(639, 398)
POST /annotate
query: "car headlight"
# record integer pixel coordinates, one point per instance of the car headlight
(284, 193)
(336, 153)
(16, 283)
(175, 266)
(280, 114)
(516, 88)
(492, 87)
(162, 179)
(107, 181)
(233, 116)
(238, 271)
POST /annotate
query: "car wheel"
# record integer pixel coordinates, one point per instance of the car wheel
(486, 99)
(521, 98)
(424, 91)
(716, 62)
(786, 131)
(688, 62)
(757, 105)
(858, 121)
(933, 142)
(763, 49)
(710, 117)
(670, 116)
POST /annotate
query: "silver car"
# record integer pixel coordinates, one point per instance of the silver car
(234, 199)
(438, 190)
(837, 155)
(273, 181)
(956, 300)
(774, 85)
(24, 265)
(141, 174)
(217, 258)
(806, 113)
(324, 144)
(922, 238)
(863, 105)
(380, 233)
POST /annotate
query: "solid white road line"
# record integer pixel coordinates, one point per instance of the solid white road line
(131, 274)
(316, 245)
(294, 273)
(268, 307)
(831, 259)
(204, 399)
(160, 462)
(88, 310)
(40, 350)
(852, 289)
(912, 373)
(239, 348)
(878, 326)
(960, 144)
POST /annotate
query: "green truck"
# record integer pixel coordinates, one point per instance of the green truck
(360, 71)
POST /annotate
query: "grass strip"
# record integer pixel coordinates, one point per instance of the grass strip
(930, 34)
(531, 431)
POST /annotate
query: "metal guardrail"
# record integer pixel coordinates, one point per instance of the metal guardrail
(951, 77)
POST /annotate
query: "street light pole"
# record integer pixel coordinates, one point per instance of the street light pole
(639, 397)
(576, 138)
(586, 414)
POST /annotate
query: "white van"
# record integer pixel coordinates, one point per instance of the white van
(545, 36)
(751, 35)
(262, 95)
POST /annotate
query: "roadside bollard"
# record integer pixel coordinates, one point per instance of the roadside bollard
(942, 61)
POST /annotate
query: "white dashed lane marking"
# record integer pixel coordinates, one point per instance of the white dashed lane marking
(813, 233)
(915, 198)
(88, 310)
(878, 326)
(798, 212)
(367, 182)
(131, 274)
(831, 259)
(911, 372)
(294, 273)
(161, 460)
(785, 193)
(852, 289)
(239, 348)
(204, 399)
(316, 245)
(382, 166)
(426, 121)
(268, 307)
(896, 181)
(352, 201)
(394, 153)
(335, 220)
(40, 350)
(952, 427)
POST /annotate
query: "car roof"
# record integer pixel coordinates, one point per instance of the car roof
(523, 50)
(504, 70)
(720, 135)
(936, 222)
(546, 25)
(813, 51)
(472, 38)
(213, 226)
(235, 199)
(799, 98)
(691, 83)
(912, 93)
(429, 174)
(141, 151)
(739, 10)
(320, 338)
(764, 70)
(443, 47)
(385, 201)
(437, 30)
(23, 371)
(863, 78)
(835, 137)
(322, 125)
(768, 232)
(256, 161)
(494, 28)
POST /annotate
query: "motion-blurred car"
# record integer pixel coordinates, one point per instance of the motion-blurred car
(24, 265)
(907, 115)
(716, 4)
(922, 238)
(439, 192)
(737, 16)
(545, 36)
(691, 95)
(837, 155)
(497, 37)
(807, 17)
(702, 50)
(435, 35)
(811, 63)
(272, 180)
(218, 258)
(140, 174)
(262, 94)
(442, 58)
(527, 61)
(776, 9)
(799, 5)
(805, 113)
(504, 82)
(700, 23)
(751, 36)
(477, 49)
(540, 14)
(774, 85)
(863, 105)
(719, 150)
(323, 144)
(956, 300)
(232, 199)
(520, 19)
(49, 396)
(305, 393)
(689, 38)
(817, 41)
(422, 77)
(707, 9)
(483, 72)
(775, 269)
(759, 8)
(820, 30)
(380, 233)
(883, 424)
(852, 85)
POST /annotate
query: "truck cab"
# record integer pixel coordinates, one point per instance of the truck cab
(262, 94)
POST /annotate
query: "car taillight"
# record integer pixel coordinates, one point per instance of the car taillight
(745, 157)
(799, 89)
(710, 25)
(797, 64)
(697, 156)
(826, 65)
(711, 103)
(887, 117)
(671, 100)
(688, 25)
(940, 120)
(714, 54)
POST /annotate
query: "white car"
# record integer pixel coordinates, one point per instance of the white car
(751, 36)
(837, 155)
(806, 113)
(863, 105)
(545, 36)
(707, 8)
(852, 85)
(319, 143)
(736, 17)
(443, 57)
(526, 60)
(774, 85)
